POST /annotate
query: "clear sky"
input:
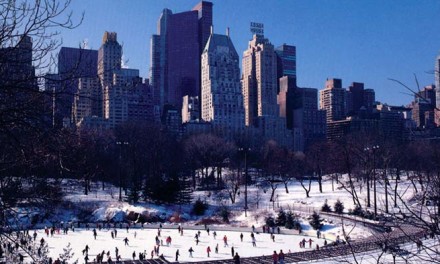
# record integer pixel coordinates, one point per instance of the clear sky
(364, 41)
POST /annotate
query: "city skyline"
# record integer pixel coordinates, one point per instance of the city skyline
(366, 41)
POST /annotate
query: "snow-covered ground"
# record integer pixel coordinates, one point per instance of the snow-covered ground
(102, 205)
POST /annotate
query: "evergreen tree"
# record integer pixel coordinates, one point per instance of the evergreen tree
(270, 221)
(339, 207)
(134, 194)
(290, 220)
(281, 218)
(326, 207)
(315, 222)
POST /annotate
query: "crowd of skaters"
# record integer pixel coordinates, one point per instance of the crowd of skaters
(115, 228)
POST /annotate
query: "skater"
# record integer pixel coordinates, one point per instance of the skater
(241, 237)
(214, 234)
(216, 249)
(35, 235)
(115, 232)
(134, 255)
(254, 242)
(112, 234)
(126, 241)
(273, 237)
(232, 251)
(318, 234)
(281, 257)
(236, 259)
(310, 243)
(208, 250)
(253, 228)
(94, 233)
(116, 251)
(225, 241)
(191, 250)
(177, 255)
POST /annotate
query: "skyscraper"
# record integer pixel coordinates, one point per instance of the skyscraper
(333, 99)
(175, 54)
(73, 64)
(259, 80)
(286, 61)
(109, 58)
(222, 100)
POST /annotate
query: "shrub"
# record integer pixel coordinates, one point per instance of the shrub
(290, 220)
(281, 218)
(339, 207)
(357, 210)
(315, 222)
(225, 213)
(326, 207)
(270, 221)
(199, 207)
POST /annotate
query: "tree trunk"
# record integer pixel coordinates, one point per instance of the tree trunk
(320, 181)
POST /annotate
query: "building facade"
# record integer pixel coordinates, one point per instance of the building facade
(175, 55)
(260, 82)
(222, 100)
(332, 99)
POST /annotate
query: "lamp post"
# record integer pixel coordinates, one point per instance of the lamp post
(367, 150)
(120, 144)
(374, 149)
(245, 150)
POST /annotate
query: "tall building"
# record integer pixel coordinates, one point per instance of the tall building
(109, 58)
(175, 54)
(222, 100)
(332, 99)
(73, 64)
(259, 66)
(423, 107)
(437, 81)
(286, 61)
(84, 103)
(307, 123)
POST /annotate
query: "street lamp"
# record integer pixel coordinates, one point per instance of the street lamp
(120, 144)
(368, 180)
(374, 149)
(245, 150)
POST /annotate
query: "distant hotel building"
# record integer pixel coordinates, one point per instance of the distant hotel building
(222, 100)
(259, 80)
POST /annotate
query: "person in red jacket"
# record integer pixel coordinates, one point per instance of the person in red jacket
(275, 257)
(208, 250)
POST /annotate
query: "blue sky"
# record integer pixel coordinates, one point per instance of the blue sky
(363, 41)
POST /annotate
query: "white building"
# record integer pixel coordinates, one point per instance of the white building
(221, 97)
